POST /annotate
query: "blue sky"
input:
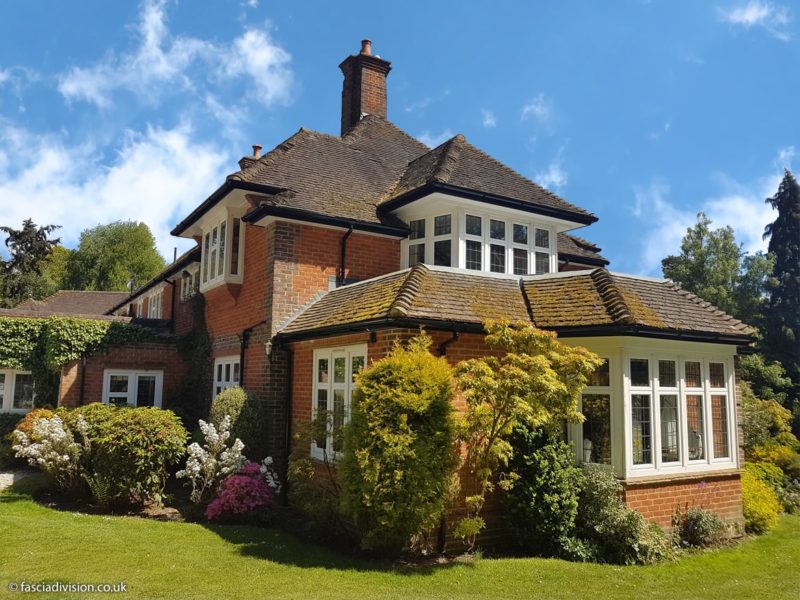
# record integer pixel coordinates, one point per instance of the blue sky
(644, 112)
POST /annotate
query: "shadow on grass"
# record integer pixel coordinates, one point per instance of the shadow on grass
(278, 546)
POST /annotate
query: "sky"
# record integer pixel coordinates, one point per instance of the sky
(643, 112)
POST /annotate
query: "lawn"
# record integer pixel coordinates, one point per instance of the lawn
(185, 561)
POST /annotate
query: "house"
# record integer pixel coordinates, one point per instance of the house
(313, 258)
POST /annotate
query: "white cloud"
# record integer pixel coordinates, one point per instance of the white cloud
(426, 102)
(554, 177)
(162, 63)
(539, 108)
(155, 176)
(659, 133)
(775, 19)
(739, 205)
(487, 118)
(785, 157)
(434, 139)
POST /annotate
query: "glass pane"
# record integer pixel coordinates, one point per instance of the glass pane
(205, 259)
(597, 428)
(219, 371)
(716, 375)
(667, 373)
(338, 369)
(694, 421)
(236, 372)
(118, 384)
(669, 428)
(227, 372)
(719, 424)
(442, 225)
(356, 365)
(520, 261)
(23, 391)
(322, 411)
(497, 229)
(146, 390)
(442, 253)
(542, 238)
(213, 263)
(2, 389)
(520, 234)
(322, 370)
(417, 229)
(474, 255)
(497, 255)
(338, 419)
(118, 400)
(640, 374)
(416, 254)
(473, 225)
(235, 247)
(642, 436)
(601, 376)
(694, 379)
(542, 263)
(222, 232)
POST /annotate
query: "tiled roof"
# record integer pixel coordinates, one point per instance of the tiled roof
(564, 302)
(67, 302)
(458, 163)
(573, 246)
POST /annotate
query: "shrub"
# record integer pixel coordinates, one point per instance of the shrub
(8, 423)
(52, 448)
(209, 464)
(543, 501)
(240, 495)
(768, 473)
(26, 424)
(247, 419)
(399, 452)
(760, 505)
(699, 528)
(621, 535)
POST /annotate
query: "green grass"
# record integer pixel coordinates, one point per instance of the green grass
(185, 561)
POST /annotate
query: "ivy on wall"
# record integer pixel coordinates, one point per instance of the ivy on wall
(43, 346)
(192, 400)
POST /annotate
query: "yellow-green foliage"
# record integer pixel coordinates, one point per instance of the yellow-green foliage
(537, 380)
(247, 419)
(760, 505)
(399, 454)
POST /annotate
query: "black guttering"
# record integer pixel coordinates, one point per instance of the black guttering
(465, 327)
(583, 260)
(268, 210)
(219, 194)
(505, 201)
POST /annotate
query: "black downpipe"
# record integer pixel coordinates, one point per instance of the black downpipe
(246, 333)
(341, 278)
(454, 338)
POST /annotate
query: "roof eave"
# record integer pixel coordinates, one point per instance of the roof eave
(267, 210)
(429, 188)
(652, 332)
(584, 260)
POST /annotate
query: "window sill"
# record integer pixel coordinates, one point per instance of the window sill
(692, 475)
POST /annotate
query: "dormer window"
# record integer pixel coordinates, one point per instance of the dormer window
(221, 253)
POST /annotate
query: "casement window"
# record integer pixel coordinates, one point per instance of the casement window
(443, 240)
(190, 283)
(226, 373)
(335, 371)
(679, 412)
(416, 244)
(541, 250)
(222, 253)
(140, 307)
(155, 304)
(519, 252)
(473, 233)
(132, 387)
(596, 408)
(16, 391)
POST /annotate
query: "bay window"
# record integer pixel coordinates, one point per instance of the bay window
(443, 240)
(222, 252)
(132, 387)
(596, 408)
(16, 391)
(335, 371)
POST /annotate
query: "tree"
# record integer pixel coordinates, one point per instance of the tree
(782, 314)
(28, 248)
(536, 380)
(712, 265)
(118, 256)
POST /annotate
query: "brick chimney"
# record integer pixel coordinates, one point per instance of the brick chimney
(364, 88)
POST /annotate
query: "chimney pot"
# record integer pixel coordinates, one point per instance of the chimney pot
(256, 151)
(366, 47)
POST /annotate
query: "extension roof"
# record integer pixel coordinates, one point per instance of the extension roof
(67, 303)
(595, 302)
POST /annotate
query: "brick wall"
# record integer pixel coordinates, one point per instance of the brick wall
(152, 355)
(658, 499)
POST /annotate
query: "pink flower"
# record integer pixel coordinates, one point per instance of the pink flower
(240, 494)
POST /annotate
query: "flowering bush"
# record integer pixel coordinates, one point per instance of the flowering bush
(52, 447)
(270, 475)
(240, 495)
(209, 464)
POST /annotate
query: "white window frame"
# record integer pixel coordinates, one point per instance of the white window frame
(222, 272)
(601, 390)
(190, 282)
(227, 374)
(518, 246)
(155, 304)
(709, 462)
(445, 237)
(133, 385)
(420, 241)
(140, 307)
(9, 387)
(348, 353)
